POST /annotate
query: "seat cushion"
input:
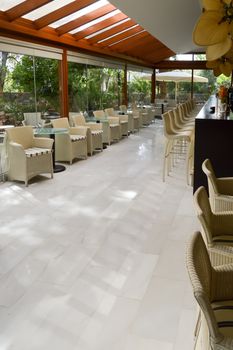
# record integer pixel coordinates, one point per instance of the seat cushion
(77, 138)
(96, 132)
(224, 239)
(223, 312)
(34, 152)
(114, 125)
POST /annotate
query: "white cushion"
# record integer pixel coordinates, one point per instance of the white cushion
(34, 152)
(77, 138)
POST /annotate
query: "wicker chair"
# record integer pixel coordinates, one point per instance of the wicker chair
(175, 144)
(33, 119)
(28, 156)
(213, 290)
(94, 132)
(217, 229)
(220, 189)
(111, 126)
(123, 119)
(70, 145)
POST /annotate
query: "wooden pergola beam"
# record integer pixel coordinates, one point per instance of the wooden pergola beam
(102, 25)
(129, 42)
(121, 36)
(112, 31)
(181, 65)
(104, 10)
(62, 12)
(24, 8)
(23, 29)
(146, 46)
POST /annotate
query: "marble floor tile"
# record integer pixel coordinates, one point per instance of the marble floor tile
(94, 259)
(160, 310)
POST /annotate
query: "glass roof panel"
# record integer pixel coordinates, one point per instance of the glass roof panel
(123, 31)
(8, 4)
(95, 21)
(46, 9)
(131, 36)
(79, 13)
(107, 28)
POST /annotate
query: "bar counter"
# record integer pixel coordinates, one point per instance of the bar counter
(213, 140)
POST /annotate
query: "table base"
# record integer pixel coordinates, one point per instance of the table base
(57, 168)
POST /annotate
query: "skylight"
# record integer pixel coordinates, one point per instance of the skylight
(80, 13)
(128, 37)
(123, 31)
(107, 28)
(8, 4)
(95, 21)
(46, 9)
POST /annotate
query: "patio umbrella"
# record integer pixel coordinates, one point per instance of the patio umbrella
(179, 76)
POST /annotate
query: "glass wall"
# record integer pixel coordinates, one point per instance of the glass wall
(139, 88)
(92, 87)
(27, 84)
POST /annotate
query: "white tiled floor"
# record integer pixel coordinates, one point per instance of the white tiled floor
(95, 258)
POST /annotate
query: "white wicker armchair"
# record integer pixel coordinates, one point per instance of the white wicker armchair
(71, 145)
(213, 290)
(28, 156)
(217, 229)
(94, 132)
(220, 189)
(111, 126)
(123, 119)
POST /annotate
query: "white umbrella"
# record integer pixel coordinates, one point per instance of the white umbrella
(179, 76)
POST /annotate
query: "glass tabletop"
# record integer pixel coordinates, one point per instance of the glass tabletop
(50, 131)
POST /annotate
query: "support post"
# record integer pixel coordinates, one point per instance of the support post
(125, 88)
(63, 85)
(153, 86)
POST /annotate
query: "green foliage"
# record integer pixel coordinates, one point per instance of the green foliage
(46, 75)
(139, 89)
(92, 88)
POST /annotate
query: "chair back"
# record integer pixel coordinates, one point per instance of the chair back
(123, 108)
(22, 135)
(204, 213)
(99, 114)
(201, 277)
(60, 123)
(78, 119)
(212, 180)
(33, 118)
(172, 117)
(110, 112)
(167, 124)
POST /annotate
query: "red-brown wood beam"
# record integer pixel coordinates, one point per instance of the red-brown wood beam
(125, 88)
(153, 86)
(24, 8)
(104, 10)
(63, 85)
(181, 65)
(99, 26)
(121, 36)
(112, 31)
(142, 46)
(129, 42)
(62, 12)
(23, 29)
(147, 46)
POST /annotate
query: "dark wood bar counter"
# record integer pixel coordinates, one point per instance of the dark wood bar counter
(213, 140)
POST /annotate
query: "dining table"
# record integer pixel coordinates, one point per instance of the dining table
(51, 132)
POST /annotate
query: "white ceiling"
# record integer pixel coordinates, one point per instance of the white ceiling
(170, 21)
